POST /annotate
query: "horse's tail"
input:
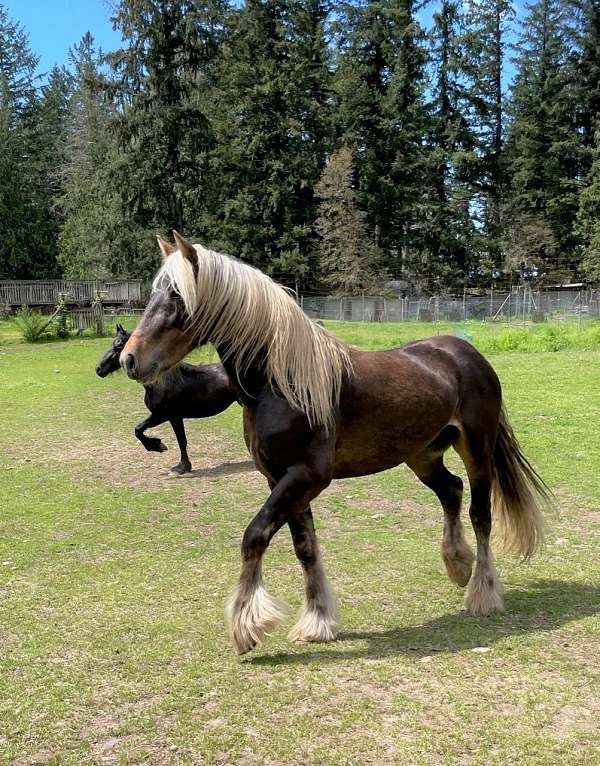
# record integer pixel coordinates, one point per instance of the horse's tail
(518, 495)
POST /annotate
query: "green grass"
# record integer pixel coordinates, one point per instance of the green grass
(487, 336)
(114, 578)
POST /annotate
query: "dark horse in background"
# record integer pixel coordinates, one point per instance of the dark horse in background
(186, 391)
(316, 410)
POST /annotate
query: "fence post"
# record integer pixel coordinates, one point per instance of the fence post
(98, 312)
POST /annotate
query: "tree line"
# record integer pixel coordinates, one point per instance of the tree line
(333, 144)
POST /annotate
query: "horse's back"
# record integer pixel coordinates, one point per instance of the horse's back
(193, 391)
(447, 352)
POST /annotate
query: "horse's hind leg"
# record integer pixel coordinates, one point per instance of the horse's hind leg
(184, 465)
(318, 620)
(456, 553)
(484, 594)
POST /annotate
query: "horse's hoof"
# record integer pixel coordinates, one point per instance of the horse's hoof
(180, 469)
(162, 447)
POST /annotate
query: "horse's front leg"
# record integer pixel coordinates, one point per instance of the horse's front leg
(151, 443)
(252, 612)
(318, 620)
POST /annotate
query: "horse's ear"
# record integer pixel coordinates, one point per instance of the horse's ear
(166, 248)
(120, 329)
(187, 250)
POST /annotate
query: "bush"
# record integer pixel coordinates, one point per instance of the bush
(33, 325)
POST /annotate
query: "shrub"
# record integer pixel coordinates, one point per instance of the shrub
(33, 325)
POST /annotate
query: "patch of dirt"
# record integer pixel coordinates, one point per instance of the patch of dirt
(116, 737)
(573, 721)
(36, 759)
(122, 463)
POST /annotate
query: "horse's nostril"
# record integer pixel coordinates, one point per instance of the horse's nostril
(130, 363)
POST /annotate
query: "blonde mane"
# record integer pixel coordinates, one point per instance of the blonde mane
(245, 311)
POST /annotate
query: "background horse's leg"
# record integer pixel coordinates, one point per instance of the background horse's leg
(456, 553)
(151, 443)
(184, 464)
(484, 594)
(319, 616)
(252, 612)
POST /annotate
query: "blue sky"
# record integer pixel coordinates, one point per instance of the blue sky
(54, 26)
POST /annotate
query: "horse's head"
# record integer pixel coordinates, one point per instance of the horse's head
(110, 360)
(163, 336)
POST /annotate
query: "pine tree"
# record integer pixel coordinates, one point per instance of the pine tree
(452, 238)
(271, 123)
(381, 114)
(350, 260)
(584, 23)
(588, 217)
(30, 128)
(544, 147)
(94, 227)
(161, 80)
(484, 42)
(308, 106)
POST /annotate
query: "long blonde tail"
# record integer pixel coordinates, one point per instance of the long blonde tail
(518, 496)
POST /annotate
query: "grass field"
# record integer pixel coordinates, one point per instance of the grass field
(113, 580)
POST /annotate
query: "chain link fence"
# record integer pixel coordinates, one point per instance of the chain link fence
(519, 304)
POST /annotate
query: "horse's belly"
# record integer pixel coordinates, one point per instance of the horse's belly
(377, 435)
(366, 452)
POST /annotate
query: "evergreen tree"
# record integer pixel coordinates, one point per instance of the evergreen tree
(28, 237)
(350, 260)
(452, 238)
(544, 147)
(92, 233)
(308, 105)
(381, 114)
(161, 81)
(588, 217)
(484, 42)
(271, 123)
(584, 32)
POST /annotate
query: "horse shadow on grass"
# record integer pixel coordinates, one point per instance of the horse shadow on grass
(223, 469)
(543, 607)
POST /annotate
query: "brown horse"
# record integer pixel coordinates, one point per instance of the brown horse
(317, 410)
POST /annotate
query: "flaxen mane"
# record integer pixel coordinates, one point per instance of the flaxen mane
(247, 312)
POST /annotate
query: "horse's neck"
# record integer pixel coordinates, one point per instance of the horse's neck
(247, 383)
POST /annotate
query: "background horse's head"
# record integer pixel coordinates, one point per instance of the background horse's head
(163, 336)
(110, 360)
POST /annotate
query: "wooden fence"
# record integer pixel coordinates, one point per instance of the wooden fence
(47, 292)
